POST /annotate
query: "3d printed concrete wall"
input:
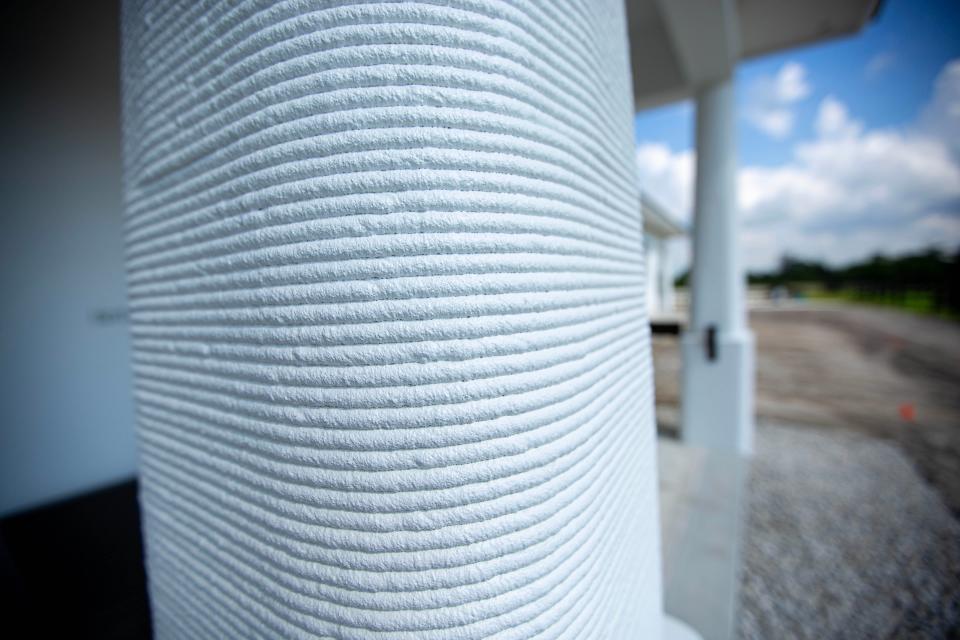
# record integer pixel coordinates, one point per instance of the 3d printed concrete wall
(391, 358)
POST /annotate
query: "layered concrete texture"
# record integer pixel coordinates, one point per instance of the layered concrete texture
(392, 368)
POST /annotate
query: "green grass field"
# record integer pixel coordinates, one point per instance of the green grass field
(921, 302)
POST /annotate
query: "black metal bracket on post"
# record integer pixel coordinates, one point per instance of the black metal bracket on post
(711, 343)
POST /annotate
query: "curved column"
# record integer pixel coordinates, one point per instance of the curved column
(391, 364)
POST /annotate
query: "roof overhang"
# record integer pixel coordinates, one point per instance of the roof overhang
(656, 221)
(678, 46)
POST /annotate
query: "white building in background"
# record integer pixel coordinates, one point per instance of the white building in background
(661, 231)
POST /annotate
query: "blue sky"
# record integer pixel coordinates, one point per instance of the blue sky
(846, 148)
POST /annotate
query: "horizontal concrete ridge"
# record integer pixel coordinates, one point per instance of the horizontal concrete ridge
(391, 358)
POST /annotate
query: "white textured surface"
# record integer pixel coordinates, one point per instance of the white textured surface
(391, 360)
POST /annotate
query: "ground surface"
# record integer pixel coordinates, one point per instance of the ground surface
(845, 540)
(852, 528)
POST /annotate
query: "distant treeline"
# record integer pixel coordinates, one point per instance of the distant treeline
(929, 279)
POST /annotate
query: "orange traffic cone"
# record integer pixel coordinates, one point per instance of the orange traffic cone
(907, 412)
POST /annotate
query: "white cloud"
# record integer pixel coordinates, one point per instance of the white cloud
(880, 63)
(776, 122)
(947, 224)
(833, 120)
(847, 193)
(667, 176)
(851, 192)
(771, 100)
(941, 118)
(790, 84)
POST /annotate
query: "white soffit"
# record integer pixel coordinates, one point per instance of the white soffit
(657, 221)
(704, 33)
(679, 45)
(658, 76)
(767, 26)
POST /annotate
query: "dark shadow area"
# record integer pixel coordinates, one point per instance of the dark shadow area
(74, 569)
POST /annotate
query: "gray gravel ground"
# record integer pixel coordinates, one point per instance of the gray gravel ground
(852, 527)
(851, 368)
(845, 540)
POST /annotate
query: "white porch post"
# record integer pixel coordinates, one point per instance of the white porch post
(667, 301)
(652, 246)
(718, 361)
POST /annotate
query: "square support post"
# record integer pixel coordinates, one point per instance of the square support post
(718, 349)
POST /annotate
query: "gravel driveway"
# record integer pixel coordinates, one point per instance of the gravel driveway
(845, 540)
(852, 527)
